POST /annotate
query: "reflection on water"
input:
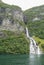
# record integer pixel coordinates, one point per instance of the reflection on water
(10, 59)
(36, 59)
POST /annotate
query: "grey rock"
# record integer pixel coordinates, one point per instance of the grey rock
(10, 18)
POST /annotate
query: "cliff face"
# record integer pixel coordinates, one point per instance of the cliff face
(12, 37)
(10, 18)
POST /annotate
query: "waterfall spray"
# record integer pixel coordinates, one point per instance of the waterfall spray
(34, 49)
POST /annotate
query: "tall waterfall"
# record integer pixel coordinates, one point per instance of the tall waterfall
(34, 48)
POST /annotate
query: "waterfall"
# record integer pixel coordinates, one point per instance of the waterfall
(34, 48)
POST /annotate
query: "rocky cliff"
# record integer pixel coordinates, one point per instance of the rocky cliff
(12, 37)
(11, 17)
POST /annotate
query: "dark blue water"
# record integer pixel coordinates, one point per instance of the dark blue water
(10, 59)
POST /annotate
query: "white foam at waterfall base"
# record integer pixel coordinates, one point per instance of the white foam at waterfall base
(34, 49)
(34, 45)
(31, 48)
(39, 52)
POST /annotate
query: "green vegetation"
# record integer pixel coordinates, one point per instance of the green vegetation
(36, 27)
(14, 43)
(3, 5)
(40, 42)
(34, 12)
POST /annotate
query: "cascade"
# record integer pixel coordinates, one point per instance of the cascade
(34, 48)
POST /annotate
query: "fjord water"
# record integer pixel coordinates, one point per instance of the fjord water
(10, 59)
(36, 59)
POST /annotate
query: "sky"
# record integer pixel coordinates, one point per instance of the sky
(25, 4)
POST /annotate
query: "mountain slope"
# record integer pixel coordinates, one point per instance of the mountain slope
(12, 36)
(35, 23)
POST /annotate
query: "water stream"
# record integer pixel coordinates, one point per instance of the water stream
(34, 48)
